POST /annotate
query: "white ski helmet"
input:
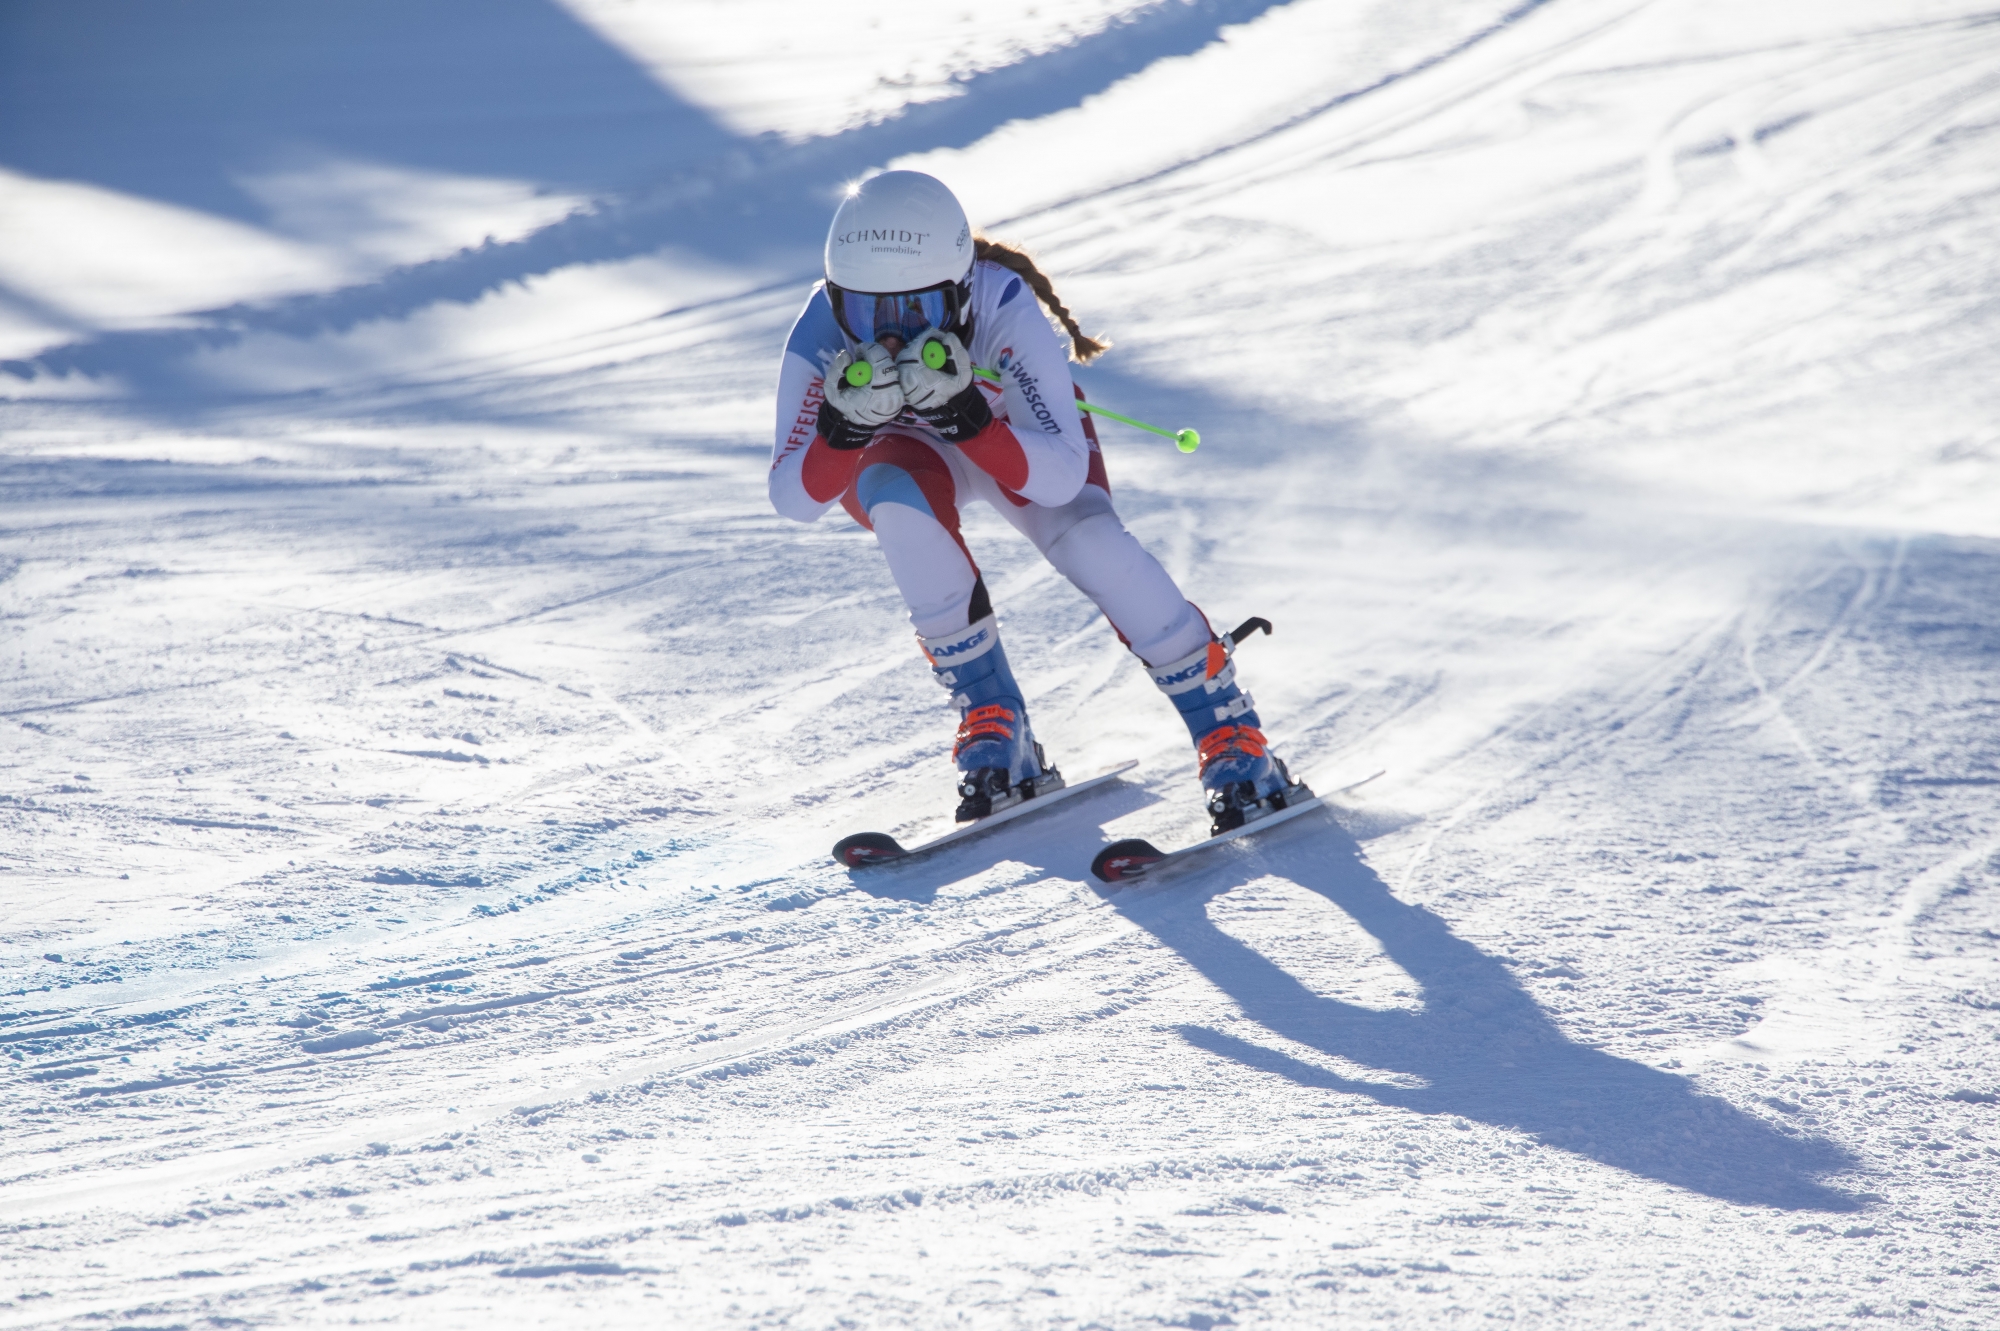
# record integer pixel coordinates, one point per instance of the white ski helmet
(899, 231)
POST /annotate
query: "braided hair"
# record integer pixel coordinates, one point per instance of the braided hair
(1083, 349)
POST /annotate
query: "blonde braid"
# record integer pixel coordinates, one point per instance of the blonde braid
(1083, 349)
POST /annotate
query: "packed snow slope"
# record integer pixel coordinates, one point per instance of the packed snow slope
(422, 743)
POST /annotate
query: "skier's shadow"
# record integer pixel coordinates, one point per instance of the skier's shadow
(1484, 1047)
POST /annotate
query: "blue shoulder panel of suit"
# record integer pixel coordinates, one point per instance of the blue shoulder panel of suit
(816, 332)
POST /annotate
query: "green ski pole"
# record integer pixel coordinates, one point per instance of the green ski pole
(1185, 440)
(861, 374)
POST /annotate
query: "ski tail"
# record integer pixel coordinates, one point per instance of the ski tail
(1249, 626)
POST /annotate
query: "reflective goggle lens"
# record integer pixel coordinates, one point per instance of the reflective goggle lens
(904, 314)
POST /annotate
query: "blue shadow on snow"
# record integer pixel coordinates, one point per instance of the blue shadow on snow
(178, 102)
(1486, 1049)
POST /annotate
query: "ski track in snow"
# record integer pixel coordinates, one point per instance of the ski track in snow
(423, 744)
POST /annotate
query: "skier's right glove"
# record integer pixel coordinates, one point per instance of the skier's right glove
(853, 412)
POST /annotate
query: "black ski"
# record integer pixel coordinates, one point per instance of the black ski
(865, 848)
(1132, 859)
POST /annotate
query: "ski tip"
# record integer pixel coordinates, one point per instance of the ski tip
(1122, 861)
(866, 848)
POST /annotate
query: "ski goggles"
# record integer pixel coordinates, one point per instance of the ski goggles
(869, 316)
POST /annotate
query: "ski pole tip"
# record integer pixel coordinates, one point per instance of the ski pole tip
(1187, 441)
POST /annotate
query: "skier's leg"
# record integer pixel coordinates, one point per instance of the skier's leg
(904, 492)
(907, 493)
(1089, 545)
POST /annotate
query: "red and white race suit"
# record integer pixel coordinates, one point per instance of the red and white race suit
(1037, 464)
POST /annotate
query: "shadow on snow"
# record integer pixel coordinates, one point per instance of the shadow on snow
(182, 102)
(1485, 1048)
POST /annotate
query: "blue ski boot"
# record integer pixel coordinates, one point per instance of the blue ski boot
(999, 763)
(1244, 782)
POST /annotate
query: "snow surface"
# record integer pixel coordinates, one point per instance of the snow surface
(423, 742)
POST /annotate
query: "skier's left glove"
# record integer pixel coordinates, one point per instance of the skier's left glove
(943, 394)
(851, 413)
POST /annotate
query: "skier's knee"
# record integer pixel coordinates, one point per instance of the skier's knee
(1083, 544)
(885, 483)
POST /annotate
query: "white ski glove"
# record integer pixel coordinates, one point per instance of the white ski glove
(853, 411)
(940, 389)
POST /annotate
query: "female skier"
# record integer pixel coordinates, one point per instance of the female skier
(879, 408)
